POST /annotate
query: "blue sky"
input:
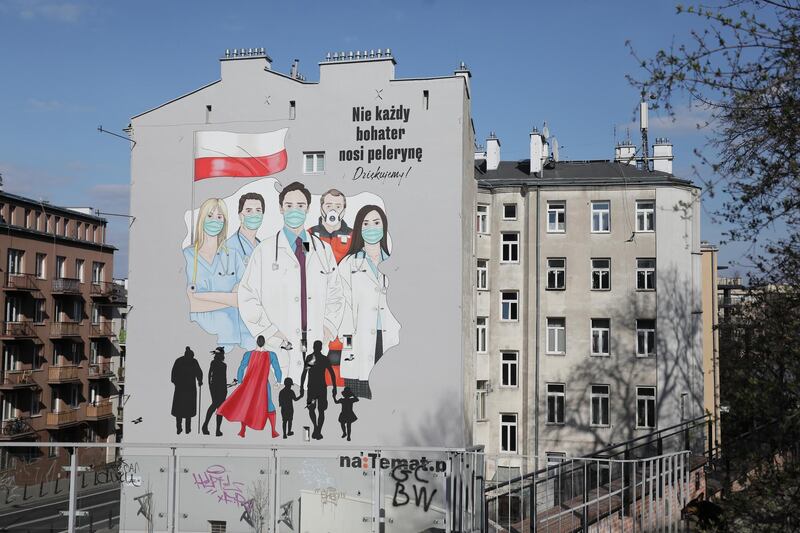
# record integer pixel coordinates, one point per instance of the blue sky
(69, 66)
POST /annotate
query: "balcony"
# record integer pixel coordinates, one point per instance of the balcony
(21, 329)
(67, 286)
(16, 428)
(102, 329)
(65, 329)
(61, 419)
(21, 282)
(17, 379)
(105, 290)
(63, 374)
(101, 371)
(99, 410)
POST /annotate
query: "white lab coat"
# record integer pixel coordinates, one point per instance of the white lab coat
(269, 297)
(365, 295)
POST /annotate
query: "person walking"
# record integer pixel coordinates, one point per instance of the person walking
(186, 377)
(218, 386)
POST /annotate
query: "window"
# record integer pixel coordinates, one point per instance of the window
(645, 215)
(601, 274)
(601, 336)
(8, 411)
(13, 309)
(508, 432)
(39, 310)
(645, 407)
(313, 162)
(556, 274)
(94, 396)
(38, 357)
(555, 403)
(15, 264)
(509, 211)
(37, 221)
(75, 396)
(61, 267)
(601, 217)
(509, 305)
(78, 228)
(555, 458)
(556, 335)
(599, 398)
(426, 99)
(36, 402)
(95, 314)
(645, 338)
(482, 219)
(97, 272)
(79, 270)
(41, 266)
(94, 352)
(481, 334)
(481, 388)
(292, 109)
(510, 248)
(645, 274)
(556, 217)
(482, 281)
(218, 526)
(509, 369)
(10, 357)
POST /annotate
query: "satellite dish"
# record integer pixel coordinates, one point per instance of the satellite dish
(545, 131)
(555, 149)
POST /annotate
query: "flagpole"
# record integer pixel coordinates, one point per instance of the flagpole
(191, 210)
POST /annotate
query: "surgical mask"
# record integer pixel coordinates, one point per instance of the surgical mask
(253, 221)
(294, 218)
(332, 217)
(213, 227)
(372, 235)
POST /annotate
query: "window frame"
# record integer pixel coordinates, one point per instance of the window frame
(562, 270)
(505, 214)
(481, 390)
(509, 368)
(641, 210)
(555, 396)
(600, 329)
(61, 267)
(478, 337)
(648, 273)
(556, 207)
(653, 349)
(607, 212)
(513, 246)
(556, 328)
(15, 258)
(510, 426)
(647, 398)
(482, 219)
(315, 157)
(482, 273)
(41, 266)
(513, 306)
(600, 396)
(593, 269)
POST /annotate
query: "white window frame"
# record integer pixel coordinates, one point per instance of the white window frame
(482, 219)
(558, 326)
(598, 330)
(41, 266)
(556, 208)
(98, 271)
(645, 274)
(602, 213)
(552, 267)
(61, 267)
(11, 357)
(646, 333)
(643, 401)
(39, 310)
(482, 277)
(317, 160)
(80, 270)
(599, 405)
(508, 432)
(513, 306)
(505, 215)
(555, 458)
(512, 245)
(481, 334)
(645, 223)
(509, 369)
(16, 261)
(556, 396)
(600, 270)
(481, 389)
(8, 411)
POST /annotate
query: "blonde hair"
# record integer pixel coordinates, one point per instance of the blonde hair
(207, 207)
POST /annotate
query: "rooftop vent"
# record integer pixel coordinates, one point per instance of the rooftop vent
(357, 55)
(245, 53)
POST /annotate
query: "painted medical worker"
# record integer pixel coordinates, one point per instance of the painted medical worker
(291, 292)
(374, 327)
(212, 274)
(244, 241)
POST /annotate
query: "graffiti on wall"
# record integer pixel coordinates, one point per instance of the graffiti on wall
(216, 480)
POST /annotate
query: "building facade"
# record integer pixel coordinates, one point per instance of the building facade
(58, 301)
(588, 311)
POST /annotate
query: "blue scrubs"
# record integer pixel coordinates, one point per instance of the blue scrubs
(242, 246)
(221, 275)
(274, 365)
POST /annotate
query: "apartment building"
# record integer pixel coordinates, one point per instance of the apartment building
(588, 325)
(58, 301)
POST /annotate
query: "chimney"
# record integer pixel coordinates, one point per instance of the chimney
(293, 73)
(492, 152)
(625, 152)
(537, 152)
(464, 72)
(662, 155)
(238, 60)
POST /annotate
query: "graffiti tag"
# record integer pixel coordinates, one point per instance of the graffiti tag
(216, 481)
(401, 475)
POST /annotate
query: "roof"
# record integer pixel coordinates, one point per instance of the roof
(575, 173)
(48, 207)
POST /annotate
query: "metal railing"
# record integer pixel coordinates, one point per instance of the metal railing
(102, 329)
(101, 370)
(17, 378)
(21, 282)
(66, 286)
(17, 329)
(101, 409)
(65, 329)
(63, 373)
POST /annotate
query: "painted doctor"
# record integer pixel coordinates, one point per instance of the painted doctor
(290, 291)
(368, 318)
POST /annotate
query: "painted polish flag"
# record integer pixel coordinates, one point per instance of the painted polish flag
(238, 155)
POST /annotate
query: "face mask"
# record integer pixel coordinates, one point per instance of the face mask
(332, 217)
(372, 235)
(253, 221)
(294, 218)
(213, 227)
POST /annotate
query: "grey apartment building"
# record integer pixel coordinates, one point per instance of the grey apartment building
(587, 302)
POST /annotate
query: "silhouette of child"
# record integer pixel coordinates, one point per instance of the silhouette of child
(347, 416)
(285, 398)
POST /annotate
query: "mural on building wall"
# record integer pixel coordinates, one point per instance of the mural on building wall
(289, 280)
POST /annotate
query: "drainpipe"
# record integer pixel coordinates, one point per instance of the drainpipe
(525, 193)
(538, 333)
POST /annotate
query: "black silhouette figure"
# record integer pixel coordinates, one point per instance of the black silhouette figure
(285, 399)
(218, 386)
(316, 366)
(186, 376)
(347, 416)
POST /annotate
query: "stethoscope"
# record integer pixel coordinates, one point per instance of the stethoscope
(225, 270)
(360, 268)
(241, 245)
(328, 268)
